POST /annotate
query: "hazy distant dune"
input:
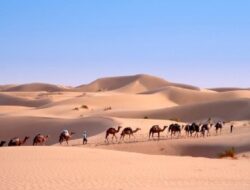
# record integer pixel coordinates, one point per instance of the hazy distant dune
(33, 87)
(114, 83)
(6, 87)
(228, 89)
(130, 84)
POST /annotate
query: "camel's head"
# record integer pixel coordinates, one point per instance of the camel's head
(138, 129)
(165, 127)
(27, 137)
(119, 127)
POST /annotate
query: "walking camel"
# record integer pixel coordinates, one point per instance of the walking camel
(128, 131)
(65, 137)
(17, 141)
(2, 143)
(40, 139)
(156, 129)
(205, 128)
(112, 131)
(174, 128)
(218, 126)
(193, 128)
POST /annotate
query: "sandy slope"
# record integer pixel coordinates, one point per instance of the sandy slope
(17, 101)
(182, 96)
(237, 109)
(206, 147)
(75, 168)
(5, 87)
(30, 126)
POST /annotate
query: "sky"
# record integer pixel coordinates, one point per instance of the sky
(202, 43)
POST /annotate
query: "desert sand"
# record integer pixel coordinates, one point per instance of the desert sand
(138, 101)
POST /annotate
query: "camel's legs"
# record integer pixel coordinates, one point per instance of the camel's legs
(133, 136)
(116, 138)
(113, 138)
(107, 140)
(121, 138)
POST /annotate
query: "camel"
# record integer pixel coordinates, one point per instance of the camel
(17, 141)
(156, 129)
(205, 128)
(40, 139)
(196, 129)
(112, 131)
(64, 137)
(128, 131)
(174, 128)
(218, 126)
(193, 128)
(187, 129)
(2, 143)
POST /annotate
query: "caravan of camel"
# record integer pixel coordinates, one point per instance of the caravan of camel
(192, 130)
(174, 130)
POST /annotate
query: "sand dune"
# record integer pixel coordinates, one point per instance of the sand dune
(187, 96)
(228, 89)
(238, 109)
(130, 84)
(138, 101)
(114, 83)
(36, 87)
(127, 84)
(16, 101)
(118, 101)
(5, 87)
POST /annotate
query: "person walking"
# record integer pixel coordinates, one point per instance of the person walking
(84, 140)
(231, 128)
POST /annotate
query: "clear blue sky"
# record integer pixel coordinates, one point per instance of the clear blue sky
(203, 43)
